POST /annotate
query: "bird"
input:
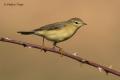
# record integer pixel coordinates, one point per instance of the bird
(57, 32)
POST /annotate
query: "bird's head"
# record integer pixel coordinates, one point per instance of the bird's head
(77, 22)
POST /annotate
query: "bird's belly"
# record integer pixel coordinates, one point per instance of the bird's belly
(58, 35)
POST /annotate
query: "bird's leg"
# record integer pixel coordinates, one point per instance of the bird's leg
(54, 45)
(60, 49)
(43, 42)
(43, 45)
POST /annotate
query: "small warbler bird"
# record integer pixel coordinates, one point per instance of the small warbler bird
(57, 32)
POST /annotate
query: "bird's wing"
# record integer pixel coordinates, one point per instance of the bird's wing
(53, 26)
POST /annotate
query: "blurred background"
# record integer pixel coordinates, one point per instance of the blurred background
(99, 41)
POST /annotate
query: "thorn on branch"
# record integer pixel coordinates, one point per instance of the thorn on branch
(75, 54)
(84, 61)
(7, 38)
(29, 47)
(110, 67)
(100, 69)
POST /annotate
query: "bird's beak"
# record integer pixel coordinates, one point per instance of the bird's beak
(85, 23)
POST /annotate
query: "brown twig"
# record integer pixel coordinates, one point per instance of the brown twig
(73, 56)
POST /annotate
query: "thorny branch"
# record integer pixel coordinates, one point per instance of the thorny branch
(73, 56)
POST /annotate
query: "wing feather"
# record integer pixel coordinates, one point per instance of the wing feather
(53, 26)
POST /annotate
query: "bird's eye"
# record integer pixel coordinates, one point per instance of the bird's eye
(76, 23)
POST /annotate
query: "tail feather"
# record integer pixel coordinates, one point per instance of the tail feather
(25, 33)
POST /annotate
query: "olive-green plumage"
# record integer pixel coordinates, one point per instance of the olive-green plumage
(59, 31)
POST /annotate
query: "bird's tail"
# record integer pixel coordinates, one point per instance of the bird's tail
(25, 32)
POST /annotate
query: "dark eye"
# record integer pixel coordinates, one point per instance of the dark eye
(76, 23)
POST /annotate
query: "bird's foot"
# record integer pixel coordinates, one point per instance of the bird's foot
(43, 48)
(60, 50)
